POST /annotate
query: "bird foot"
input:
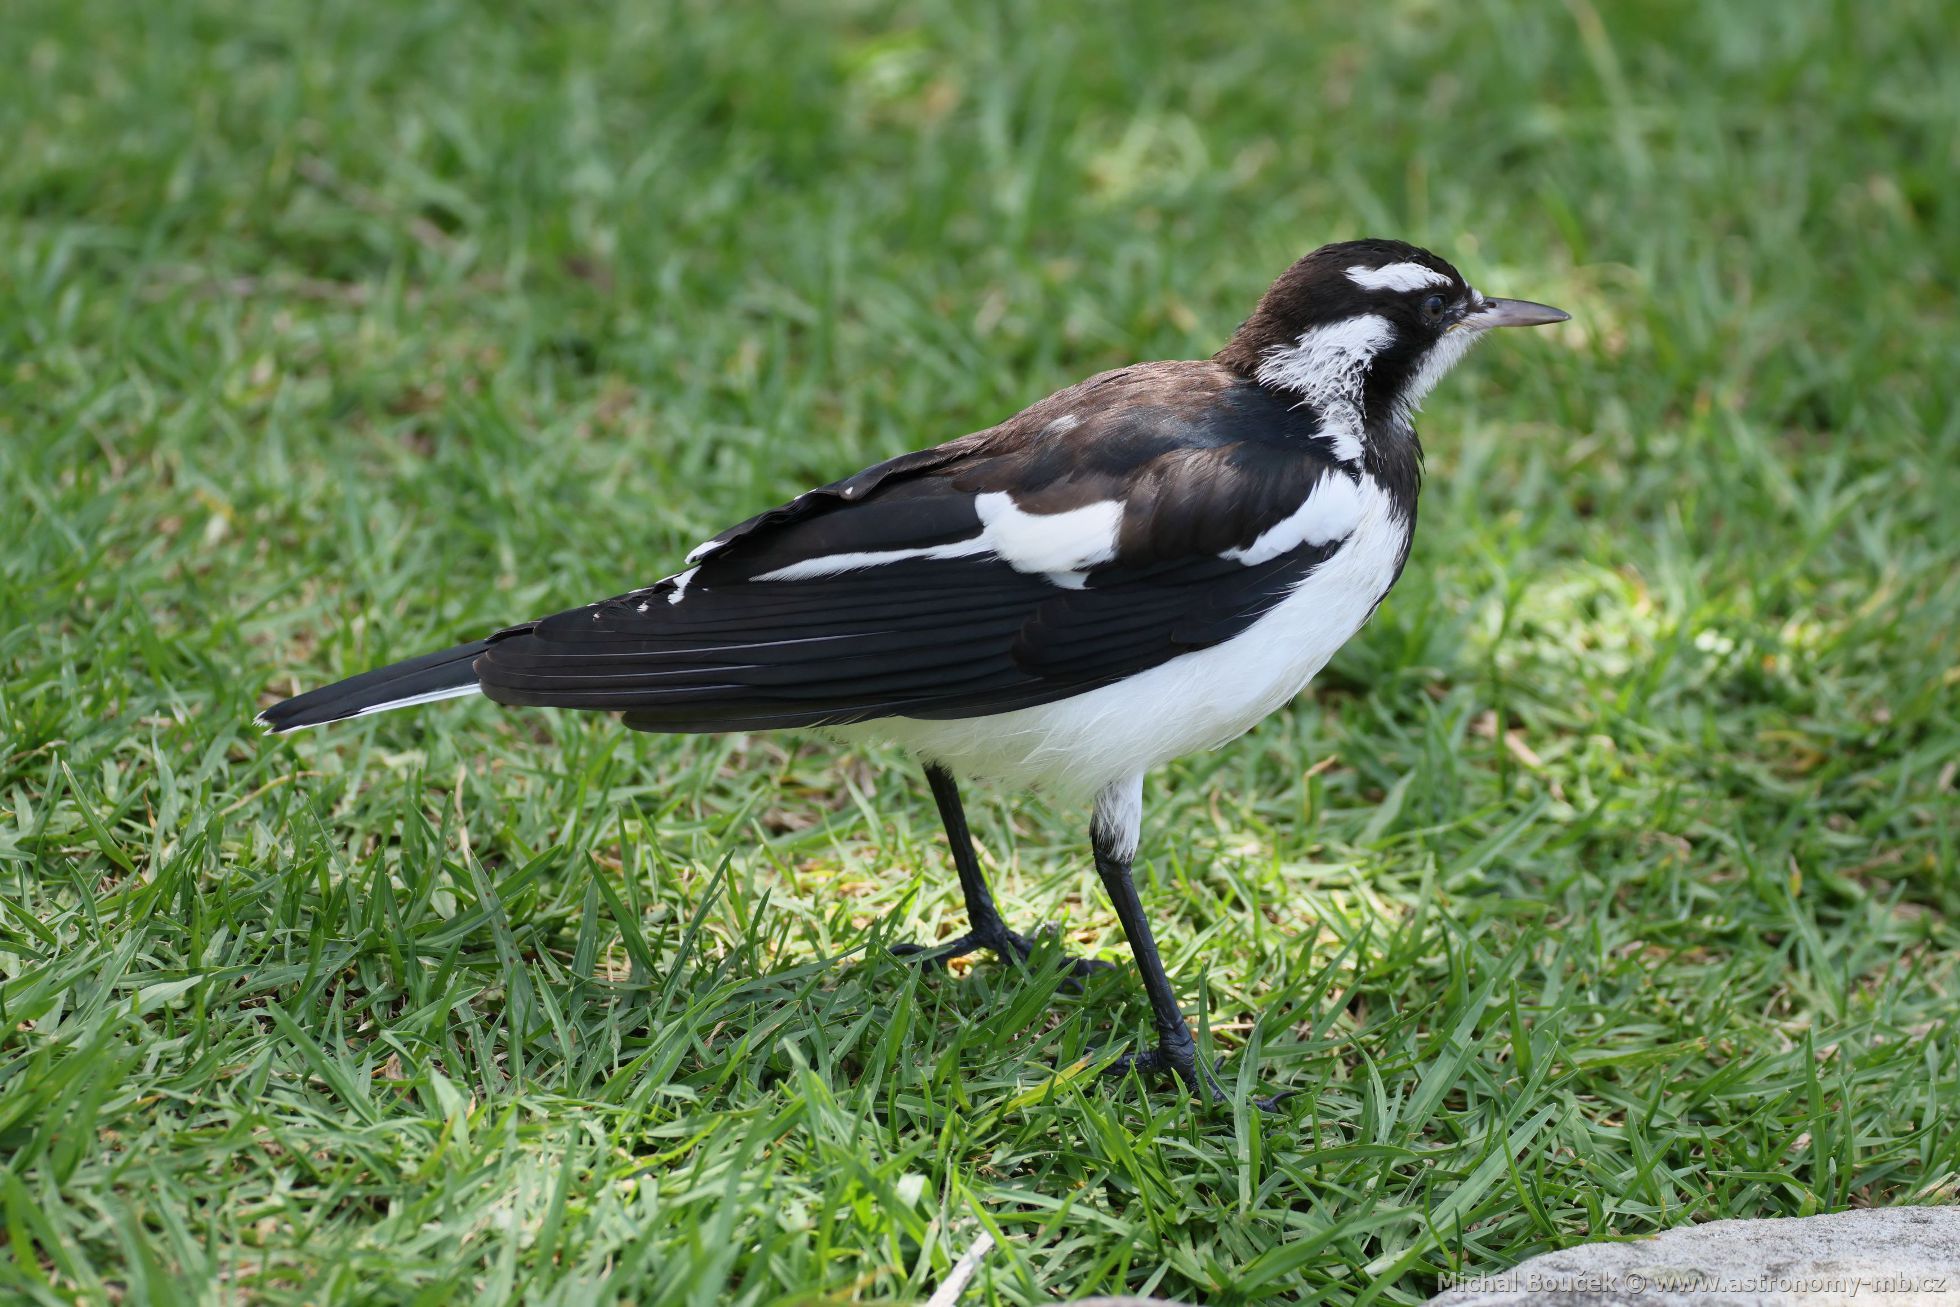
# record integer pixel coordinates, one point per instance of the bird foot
(1006, 944)
(1181, 1058)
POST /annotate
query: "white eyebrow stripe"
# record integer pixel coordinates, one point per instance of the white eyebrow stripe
(1396, 276)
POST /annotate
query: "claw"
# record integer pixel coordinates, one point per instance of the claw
(930, 955)
(1002, 943)
(1197, 1077)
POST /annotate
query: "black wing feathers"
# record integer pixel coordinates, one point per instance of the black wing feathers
(432, 673)
(1201, 462)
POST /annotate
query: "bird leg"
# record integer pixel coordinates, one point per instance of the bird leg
(1113, 833)
(985, 926)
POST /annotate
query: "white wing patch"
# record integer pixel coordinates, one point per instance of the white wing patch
(832, 564)
(1396, 276)
(1330, 512)
(1049, 542)
(1059, 545)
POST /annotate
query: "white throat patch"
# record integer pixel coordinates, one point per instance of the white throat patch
(1442, 356)
(1327, 365)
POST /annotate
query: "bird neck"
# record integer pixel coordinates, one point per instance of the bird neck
(1329, 367)
(1392, 456)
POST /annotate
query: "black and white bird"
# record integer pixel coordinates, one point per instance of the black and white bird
(1137, 567)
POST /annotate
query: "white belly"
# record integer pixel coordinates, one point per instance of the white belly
(1074, 747)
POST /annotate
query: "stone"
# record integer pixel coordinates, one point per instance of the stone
(1892, 1256)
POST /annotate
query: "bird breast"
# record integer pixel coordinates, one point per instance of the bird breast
(1074, 747)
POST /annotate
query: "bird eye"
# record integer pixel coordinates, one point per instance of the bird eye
(1433, 307)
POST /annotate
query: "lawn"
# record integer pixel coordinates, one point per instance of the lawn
(1610, 880)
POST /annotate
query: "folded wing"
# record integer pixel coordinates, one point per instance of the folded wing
(1139, 516)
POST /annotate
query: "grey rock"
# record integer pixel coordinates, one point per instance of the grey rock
(1894, 1256)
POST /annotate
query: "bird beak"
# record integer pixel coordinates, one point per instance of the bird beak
(1512, 313)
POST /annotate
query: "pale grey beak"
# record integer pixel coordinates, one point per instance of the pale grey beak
(1513, 313)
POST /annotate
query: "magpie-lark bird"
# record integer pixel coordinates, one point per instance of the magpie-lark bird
(1142, 565)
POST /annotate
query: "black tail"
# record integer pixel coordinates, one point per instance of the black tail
(443, 675)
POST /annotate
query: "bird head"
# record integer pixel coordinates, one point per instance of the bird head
(1370, 326)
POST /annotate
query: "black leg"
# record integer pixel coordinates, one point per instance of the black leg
(1113, 832)
(985, 926)
(981, 914)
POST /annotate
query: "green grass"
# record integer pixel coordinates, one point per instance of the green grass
(1608, 881)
